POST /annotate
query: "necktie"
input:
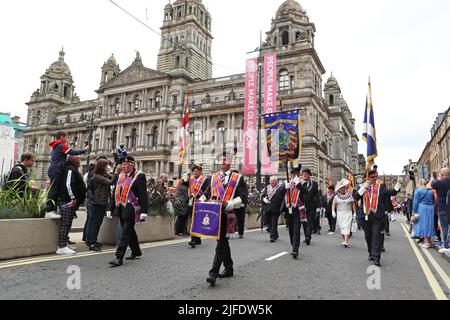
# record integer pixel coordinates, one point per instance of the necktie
(223, 178)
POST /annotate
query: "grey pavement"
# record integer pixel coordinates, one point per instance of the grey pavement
(172, 270)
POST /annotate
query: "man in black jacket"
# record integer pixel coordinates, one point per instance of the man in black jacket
(71, 196)
(18, 178)
(131, 200)
(272, 197)
(312, 204)
(374, 194)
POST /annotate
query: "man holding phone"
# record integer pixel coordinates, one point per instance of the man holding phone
(441, 184)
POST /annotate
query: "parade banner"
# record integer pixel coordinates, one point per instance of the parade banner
(270, 104)
(250, 117)
(206, 220)
(284, 135)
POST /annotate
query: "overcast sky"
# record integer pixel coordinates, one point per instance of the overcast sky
(404, 45)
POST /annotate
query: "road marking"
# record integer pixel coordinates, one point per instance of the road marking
(25, 262)
(277, 256)
(434, 284)
(438, 268)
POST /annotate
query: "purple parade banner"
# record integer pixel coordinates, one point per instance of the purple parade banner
(206, 220)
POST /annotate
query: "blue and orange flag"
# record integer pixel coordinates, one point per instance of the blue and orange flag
(369, 134)
(284, 135)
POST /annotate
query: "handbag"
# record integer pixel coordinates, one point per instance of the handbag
(415, 218)
(354, 224)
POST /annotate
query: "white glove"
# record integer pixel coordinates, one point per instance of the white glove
(334, 215)
(203, 198)
(363, 188)
(296, 180)
(109, 214)
(287, 185)
(318, 210)
(266, 200)
(144, 216)
(234, 204)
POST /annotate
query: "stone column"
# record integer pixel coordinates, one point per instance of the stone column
(158, 169)
(208, 129)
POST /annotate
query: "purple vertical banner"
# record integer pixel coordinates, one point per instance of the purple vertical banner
(250, 117)
(270, 105)
(206, 220)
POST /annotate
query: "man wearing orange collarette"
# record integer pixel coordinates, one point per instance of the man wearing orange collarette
(228, 188)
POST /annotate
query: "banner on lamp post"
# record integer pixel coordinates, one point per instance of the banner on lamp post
(250, 117)
(270, 104)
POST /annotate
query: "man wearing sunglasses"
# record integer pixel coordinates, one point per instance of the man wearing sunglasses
(374, 193)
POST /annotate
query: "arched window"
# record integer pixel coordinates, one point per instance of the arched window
(284, 80)
(133, 137)
(117, 110)
(137, 103)
(66, 92)
(285, 38)
(177, 61)
(331, 100)
(275, 42)
(114, 140)
(154, 136)
(221, 130)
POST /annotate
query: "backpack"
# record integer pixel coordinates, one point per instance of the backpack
(5, 181)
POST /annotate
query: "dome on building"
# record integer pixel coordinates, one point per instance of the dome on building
(168, 6)
(112, 60)
(60, 66)
(332, 83)
(290, 7)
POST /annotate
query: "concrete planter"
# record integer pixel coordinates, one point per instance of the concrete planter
(27, 237)
(157, 228)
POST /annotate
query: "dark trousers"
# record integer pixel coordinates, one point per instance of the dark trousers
(317, 227)
(294, 226)
(331, 221)
(372, 231)
(308, 226)
(129, 238)
(53, 193)
(88, 213)
(240, 219)
(94, 223)
(274, 217)
(65, 224)
(181, 224)
(223, 251)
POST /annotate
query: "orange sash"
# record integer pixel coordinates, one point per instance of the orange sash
(371, 198)
(196, 185)
(217, 188)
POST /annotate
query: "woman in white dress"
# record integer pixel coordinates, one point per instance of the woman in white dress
(344, 207)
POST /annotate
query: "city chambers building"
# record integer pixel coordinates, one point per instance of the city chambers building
(141, 107)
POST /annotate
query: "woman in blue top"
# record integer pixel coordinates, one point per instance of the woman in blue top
(424, 206)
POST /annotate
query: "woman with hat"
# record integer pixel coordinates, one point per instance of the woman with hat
(343, 208)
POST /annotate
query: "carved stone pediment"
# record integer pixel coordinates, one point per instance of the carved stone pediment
(134, 74)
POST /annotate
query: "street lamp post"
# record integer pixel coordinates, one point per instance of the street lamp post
(258, 149)
(91, 126)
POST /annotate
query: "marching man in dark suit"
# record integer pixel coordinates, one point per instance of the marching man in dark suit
(228, 188)
(131, 201)
(198, 185)
(312, 204)
(374, 194)
(293, 206)
(272, 198)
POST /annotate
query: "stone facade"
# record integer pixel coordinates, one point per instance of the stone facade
(141, 107)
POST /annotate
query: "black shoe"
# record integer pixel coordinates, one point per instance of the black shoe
(371, 258)
(116, 262)
(133, 257)
(308, 242)
(211, 280)
(95, 248)
(294, 255)
(226, 274)
(272, 240)
(241, 237)
(383, 250)
(377, 262)
(192, 244)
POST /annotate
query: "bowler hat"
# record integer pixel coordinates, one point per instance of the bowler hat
(127, 159)
(307, 171)
(197, 167)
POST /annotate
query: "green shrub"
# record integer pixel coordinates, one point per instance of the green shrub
(13, 213)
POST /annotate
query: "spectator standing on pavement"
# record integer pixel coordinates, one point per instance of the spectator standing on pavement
(72, 193)
(423, 205)
(19, 178)
(100, 192)
(442, 187)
